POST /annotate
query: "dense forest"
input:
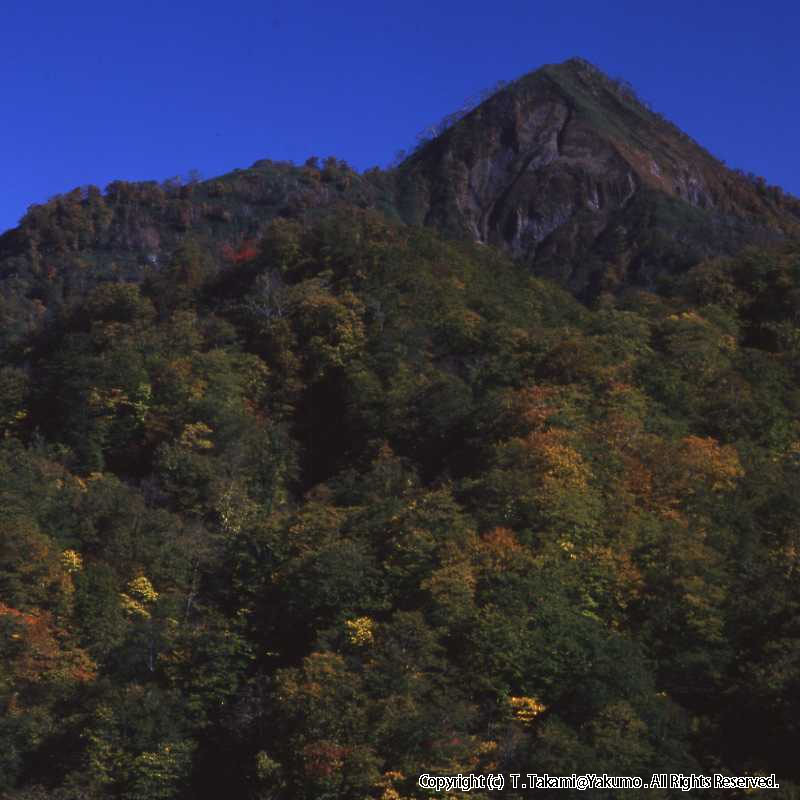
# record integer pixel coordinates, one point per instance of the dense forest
(365, 503)
(300, 502)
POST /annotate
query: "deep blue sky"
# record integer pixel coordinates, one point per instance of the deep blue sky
(95, 91)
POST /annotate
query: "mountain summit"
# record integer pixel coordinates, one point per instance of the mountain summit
(570, 171)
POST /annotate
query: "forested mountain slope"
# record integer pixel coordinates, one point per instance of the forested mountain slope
(300, 501)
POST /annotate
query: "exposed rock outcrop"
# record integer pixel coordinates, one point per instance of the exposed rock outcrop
(568, 171)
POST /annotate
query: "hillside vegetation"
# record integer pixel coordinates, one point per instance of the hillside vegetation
(366, 503)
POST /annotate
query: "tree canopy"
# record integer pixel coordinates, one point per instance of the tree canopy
(314, 512)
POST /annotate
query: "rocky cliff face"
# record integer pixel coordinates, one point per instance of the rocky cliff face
(568, 171)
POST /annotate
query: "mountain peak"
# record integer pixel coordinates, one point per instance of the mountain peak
(572, 172)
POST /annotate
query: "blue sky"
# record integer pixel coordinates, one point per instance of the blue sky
(96, 91)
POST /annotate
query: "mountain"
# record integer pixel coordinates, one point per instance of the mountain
(299, 501)
(570, 172)
(565, 169)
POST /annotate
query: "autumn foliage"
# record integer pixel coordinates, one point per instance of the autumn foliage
(337, 502)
